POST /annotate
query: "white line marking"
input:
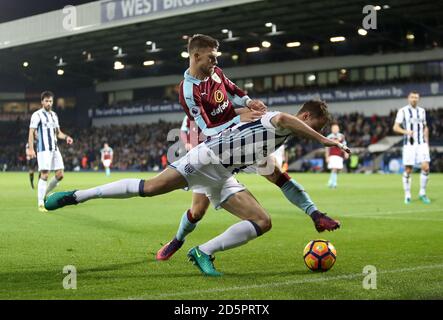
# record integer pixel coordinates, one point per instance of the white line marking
(383, 213)
(394, 218)
(284, 283)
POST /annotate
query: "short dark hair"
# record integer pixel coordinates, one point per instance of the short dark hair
(317, 108)
(201, 41)
(46, 94)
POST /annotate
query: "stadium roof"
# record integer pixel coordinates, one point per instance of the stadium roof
(312, 23)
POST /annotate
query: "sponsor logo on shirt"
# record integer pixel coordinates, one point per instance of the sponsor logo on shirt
(221, 108)
(219, 96)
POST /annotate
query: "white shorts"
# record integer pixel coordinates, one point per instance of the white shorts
(205, 174)
(335, 162)
(415, 154)
(279, 156)
(266, 167)
(50, 160)
(107, 163)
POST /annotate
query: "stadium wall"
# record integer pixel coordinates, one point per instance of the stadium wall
(269, 69)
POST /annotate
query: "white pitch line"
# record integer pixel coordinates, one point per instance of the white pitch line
(383, 213)
(395, 218)
(284, 283)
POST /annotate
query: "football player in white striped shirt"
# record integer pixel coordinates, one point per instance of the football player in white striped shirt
(411, 123)
(44, 123)
(211, 165)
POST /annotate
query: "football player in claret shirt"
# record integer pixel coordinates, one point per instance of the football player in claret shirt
(334, 156)
(106, 157)
(208, 98)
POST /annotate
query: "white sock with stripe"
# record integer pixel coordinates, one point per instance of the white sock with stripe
(424, 177)
(41, 190)
(236, 235)
(407, 181)
(51, 185)
(120, 189)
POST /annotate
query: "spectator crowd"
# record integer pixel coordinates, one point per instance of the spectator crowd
(143, 147)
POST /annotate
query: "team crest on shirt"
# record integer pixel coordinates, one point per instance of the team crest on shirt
(195, 111)
(219, 96)
(189, 169)
(216, 78)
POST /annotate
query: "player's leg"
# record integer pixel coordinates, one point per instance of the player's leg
(188, 223)
(167, 181)
(255, 222)
(31, 167)
(297, 195)
(41, 189)
(107, 166)
(409, 154)
(54, 181)
(407, 182)
(56, 164)
(424, 177)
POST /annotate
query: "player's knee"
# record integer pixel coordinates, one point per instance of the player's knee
(44, 175)
(264, 223)
(197, 212)
(59, 176)
(151, 188)
(425, 167)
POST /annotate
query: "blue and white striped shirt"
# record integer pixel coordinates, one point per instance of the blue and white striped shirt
(47, 125)
(413, 119)
(247, 143)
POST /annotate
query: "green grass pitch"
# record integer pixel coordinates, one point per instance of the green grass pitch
(112, 243)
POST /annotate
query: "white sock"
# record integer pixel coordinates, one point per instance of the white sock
(236, 235)
(424, 177)
(125, 188)
(41, 191)
(51, 185)
(407, 181)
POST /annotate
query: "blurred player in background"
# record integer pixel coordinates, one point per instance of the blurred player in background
(411, 123)
(106, 157)
(31, 162)
(45, 124)
(334, 156)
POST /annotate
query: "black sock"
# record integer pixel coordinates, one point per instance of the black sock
(31, 179)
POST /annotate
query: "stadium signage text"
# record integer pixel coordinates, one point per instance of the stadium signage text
(113, 10)
(288, 98)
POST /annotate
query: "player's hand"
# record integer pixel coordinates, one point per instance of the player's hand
(250, 116)
(31, 153)
(410, 133)
(188, 146)
(69, 140)
(257, 105)
(332, 143)
(344, 148)
(327, 159)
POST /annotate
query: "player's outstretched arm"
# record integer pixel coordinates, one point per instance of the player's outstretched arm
(299, 128)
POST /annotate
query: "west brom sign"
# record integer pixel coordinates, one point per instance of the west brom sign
(114, 10)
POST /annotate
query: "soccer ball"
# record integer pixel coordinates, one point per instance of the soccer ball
(319, 255)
